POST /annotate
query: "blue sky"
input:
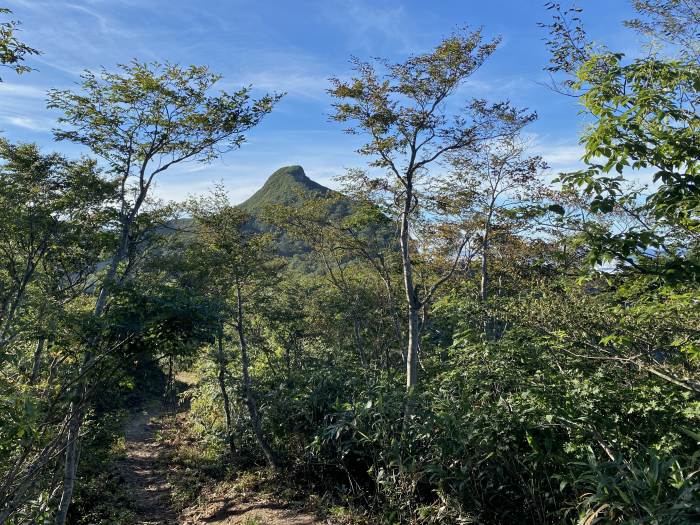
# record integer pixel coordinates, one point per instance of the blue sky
(292, 46)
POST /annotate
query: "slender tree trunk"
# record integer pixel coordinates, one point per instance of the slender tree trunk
(13, 497)
(387, 360)
(76, 406)
(71, 462)
(412, 349)
(224, 393)
(39, 349)
(12, 306)
(170, 392)
(248, 389)
(484, 288)
(395, 317)
(358, 339)
(411, 299)
(36, 363)
(288, 359)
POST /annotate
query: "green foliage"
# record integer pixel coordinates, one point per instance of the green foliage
(549, 394)
(13, 51)
(155, 111)
(102, 498)
(390, 102)
(647, 489)
(643, 117)
(287, 185)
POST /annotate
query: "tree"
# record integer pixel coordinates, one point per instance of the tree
(141, 121)
(12, 50)
(404, 109)
(643, 117)
(352, 252)
(53, 214)
(489, 191)
(670, 22)
(46, 201)
(147, 118)
(239, 267)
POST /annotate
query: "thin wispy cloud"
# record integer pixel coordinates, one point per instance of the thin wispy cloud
(22, 91)
(294, 84)
(105, 24)
(366, 22)
(484, 86)
(29, 123)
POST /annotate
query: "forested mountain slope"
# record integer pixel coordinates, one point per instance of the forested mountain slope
(290, 187)
(286, 192)
(285, 186)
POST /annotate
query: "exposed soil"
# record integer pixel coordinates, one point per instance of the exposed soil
(147, 484)
(255, 511)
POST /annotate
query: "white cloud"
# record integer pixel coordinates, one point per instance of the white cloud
(294, 77)
(31, 124)
(561, 155)
(365, 21)
(21, 91)
(23, 106)
(105, 24)
(487, 88)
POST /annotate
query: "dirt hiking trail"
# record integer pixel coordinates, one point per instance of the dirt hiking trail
(143, 472)
(146, 484)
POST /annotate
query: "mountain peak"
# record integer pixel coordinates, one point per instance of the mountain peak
(284, 186)
(295, 172)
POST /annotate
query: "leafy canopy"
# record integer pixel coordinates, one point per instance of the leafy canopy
(144, 115)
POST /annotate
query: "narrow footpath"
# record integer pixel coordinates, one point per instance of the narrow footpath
(143, 471)
(146, 483)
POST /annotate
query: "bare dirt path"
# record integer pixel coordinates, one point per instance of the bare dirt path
(144, 474)
(253, 510)
(149, 489)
